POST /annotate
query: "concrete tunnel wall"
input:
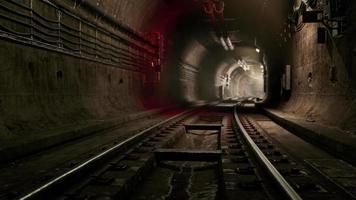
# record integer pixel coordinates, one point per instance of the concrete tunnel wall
(189, 76)
(327, 98)
(192, 60)
(47, 89)
(43, 90)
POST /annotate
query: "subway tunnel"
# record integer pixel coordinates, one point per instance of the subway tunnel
(177, 99)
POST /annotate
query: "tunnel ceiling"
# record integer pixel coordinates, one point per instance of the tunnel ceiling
(185, 26)
(262, 19)
(246, 22)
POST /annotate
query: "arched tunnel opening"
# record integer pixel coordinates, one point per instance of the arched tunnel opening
(177, 99)
(210, 56)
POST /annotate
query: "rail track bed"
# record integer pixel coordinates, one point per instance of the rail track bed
(208, 153)
(312, 172)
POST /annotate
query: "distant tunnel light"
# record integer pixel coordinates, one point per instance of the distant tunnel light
(258, 50)
(223, 43)
(243, 65)
(262, 66)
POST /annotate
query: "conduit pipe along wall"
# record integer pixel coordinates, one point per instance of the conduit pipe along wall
(103, 13)
(70, 64)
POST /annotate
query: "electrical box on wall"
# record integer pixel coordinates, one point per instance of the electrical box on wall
(286, 78)
(286, 82)
(288, 74)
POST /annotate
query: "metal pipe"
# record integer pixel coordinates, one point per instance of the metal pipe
(223, 43)
(229, 44)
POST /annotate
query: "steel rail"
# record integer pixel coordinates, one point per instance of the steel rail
(71, 173)
(282, 183)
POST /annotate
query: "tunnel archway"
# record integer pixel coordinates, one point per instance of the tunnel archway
(243, 76)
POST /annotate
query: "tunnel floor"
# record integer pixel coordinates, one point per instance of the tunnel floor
(202, 153)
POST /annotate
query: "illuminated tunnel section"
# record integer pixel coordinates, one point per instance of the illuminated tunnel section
(243, 76)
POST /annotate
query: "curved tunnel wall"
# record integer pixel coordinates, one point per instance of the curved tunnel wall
(190, 74)
(323, 77)
(48, 87)
(45, 89)
(43, 86)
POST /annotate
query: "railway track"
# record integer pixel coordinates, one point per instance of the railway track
(206, 154)
(307, 181)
